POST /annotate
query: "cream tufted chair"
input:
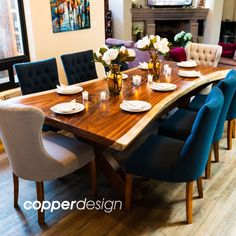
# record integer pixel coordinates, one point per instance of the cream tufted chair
(39, 157)
(204, 54)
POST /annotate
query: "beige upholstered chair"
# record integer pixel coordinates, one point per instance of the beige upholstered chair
(36, 156)
(204, 54)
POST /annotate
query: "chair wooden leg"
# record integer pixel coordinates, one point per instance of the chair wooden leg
(40, 198)
(230, 134)
(208, 166)
(189, 202)
(92, 170)
(199, 187)
(128, 191)
(234, 129)
(216, 151)
(16, 189)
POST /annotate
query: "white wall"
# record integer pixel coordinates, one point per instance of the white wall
(122, 21)
(213, 22)
(43, 43)
(229, 10)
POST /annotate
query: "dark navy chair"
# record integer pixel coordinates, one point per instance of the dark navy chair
(173, 160)
(37, 77)
(179, 125)
(200, 99)
(79, 67)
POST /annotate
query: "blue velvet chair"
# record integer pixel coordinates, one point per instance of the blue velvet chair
(79, 67)
(173, 160)
(179, 125)
(37, 77)
(200, 99)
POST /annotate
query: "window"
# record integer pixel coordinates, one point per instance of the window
(13, 41)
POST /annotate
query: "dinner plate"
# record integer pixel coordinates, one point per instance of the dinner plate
(124, 76)
(67, 108)
(187, 64)
(68, 90)
(135, 106)
(189, 73)
(143, 66)
(163, 87)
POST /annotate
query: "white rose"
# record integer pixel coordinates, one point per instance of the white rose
(156, 45)
(98, 54)
(131, 53)
(164, 46)
(113, 53)
(152, 37)
(147, 41)
(123, 49)
(141, 44)
(106, 58)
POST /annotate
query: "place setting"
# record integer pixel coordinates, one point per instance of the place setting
(187, 64)
(189, 73)
(68, 90)
(68, 108)
(135, 106)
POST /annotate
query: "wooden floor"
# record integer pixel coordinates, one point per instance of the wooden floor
(160, 209)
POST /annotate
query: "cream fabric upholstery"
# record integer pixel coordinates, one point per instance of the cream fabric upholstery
(204, 54)
(34, 156)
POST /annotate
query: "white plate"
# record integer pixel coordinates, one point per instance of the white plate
(130, 106)
(71, 89)
(143, 66)
(78, 107)
(190, 73)
(124, 76)
(163, 87)
(187, 64)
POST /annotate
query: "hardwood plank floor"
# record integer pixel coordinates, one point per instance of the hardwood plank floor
(158, 210)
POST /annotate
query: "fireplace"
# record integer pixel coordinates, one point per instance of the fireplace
(169, 21)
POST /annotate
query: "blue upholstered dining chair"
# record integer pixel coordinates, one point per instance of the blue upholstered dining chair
(79, 67)
(179, 125)
(37, 77)
(200, 99)
(40, 157)
(173, 160)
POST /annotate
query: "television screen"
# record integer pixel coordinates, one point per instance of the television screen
(169, 2)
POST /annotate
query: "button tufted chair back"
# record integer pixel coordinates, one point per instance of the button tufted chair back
(79, 67)
(37, 76)
(204, 54)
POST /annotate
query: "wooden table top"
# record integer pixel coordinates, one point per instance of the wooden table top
(104, 122)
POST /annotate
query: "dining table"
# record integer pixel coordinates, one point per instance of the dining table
(103, 123)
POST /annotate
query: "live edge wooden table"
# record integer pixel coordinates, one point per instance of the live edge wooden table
(105, 125)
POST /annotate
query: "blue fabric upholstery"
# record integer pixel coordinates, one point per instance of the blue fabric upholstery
(79, 67)
(179, 125)
(173, 160)
(37, 76)
(200, 99)
(232, 109)
(181, 122)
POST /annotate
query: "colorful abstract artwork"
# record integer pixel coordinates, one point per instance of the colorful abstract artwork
(68, 15)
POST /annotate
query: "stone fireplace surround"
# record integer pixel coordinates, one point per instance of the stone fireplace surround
(186, 18)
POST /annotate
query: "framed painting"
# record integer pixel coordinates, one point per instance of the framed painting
(69, 15)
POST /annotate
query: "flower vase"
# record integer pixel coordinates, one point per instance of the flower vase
(114, 80)
(154, 65)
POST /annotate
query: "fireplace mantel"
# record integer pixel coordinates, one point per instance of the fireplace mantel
(150, 15)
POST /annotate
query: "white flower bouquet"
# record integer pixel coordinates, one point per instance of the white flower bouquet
(183, 38)
(153, 43)
(109, 56)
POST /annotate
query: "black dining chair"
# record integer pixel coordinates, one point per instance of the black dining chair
(79, 67)
(173, 160)
(36, 77)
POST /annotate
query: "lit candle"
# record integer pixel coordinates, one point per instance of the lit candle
(103, 95)
(136, 80)
(85, 95)
(166, 67)
(168, 72)
(150, 78)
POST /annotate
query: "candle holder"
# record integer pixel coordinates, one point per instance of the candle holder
(137, 80)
